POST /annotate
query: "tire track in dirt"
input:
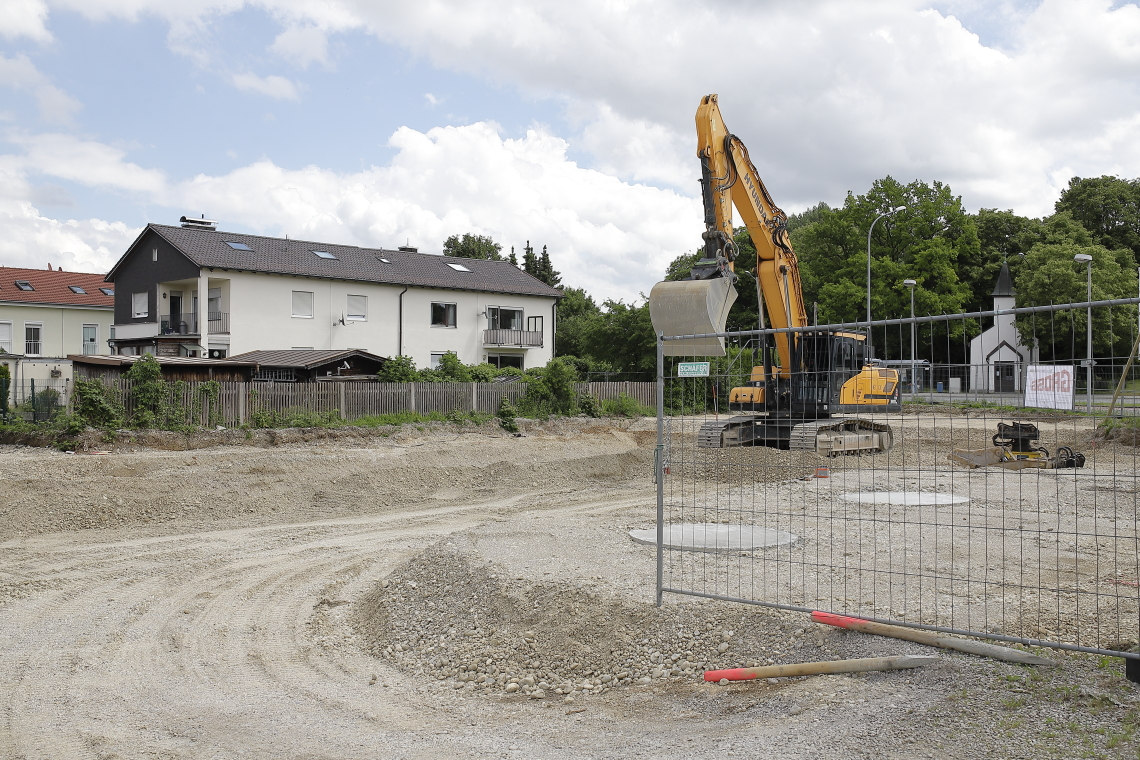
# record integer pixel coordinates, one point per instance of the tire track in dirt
(210, 643)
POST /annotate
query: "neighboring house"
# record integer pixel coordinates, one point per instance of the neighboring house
(309, 366)
(265, 293)
(997, 357)
(46, 314)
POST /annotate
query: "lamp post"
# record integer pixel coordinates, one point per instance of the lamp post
(1084, 258)
(910, 284)
(870, 340)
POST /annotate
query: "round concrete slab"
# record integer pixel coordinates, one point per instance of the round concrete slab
(715, 537)
(906, 498)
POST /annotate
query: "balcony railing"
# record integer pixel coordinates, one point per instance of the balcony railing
(219, 322)
(187, 324)
(518, 338)
(33, 347)
(178, 324)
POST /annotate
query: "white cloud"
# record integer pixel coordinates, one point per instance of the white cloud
(273, 86)
(31, 239)
(432, 99)
(20, 73)
(83, 161)
(302, 45)
(24, 18)
(606, 235)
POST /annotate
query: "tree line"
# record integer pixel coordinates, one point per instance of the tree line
(953, 255)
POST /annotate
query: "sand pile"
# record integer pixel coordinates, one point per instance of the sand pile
(451, 616)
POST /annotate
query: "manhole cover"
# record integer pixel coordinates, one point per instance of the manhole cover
(715, 537)
(908, 498)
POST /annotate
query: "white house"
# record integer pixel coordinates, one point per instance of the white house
(265, 293)
(997, 356)
(46, 314)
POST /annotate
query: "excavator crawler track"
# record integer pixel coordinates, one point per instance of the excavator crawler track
(831, 437)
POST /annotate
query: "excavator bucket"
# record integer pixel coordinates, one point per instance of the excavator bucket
(692, 307)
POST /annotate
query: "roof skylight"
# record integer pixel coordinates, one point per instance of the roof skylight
(238, 246)
(458, 267)
(324, 254)
(381, 258)
(24, 285)
(107, 291)
(77, 289)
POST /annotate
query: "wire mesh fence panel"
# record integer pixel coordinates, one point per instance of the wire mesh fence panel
(38, 400)
(963, 486)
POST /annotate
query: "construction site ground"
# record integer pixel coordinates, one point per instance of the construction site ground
(377, 595)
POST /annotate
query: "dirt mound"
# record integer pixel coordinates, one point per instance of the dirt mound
(450, 615)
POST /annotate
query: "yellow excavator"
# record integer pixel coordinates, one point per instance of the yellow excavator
(820, 374)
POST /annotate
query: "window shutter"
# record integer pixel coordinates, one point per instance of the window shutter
(302, 303)
(140, 304)
(358, 307)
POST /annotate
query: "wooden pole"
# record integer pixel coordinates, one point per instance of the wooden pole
(898, 662)
(930, 639)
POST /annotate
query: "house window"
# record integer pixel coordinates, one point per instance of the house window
(358, 308)
(5, 337)
(107, 291)
(154, 255)
(442, 315)
(303, 304)
(90, 339)
(436, 359)
(24, 285)
(534, 324)
(140, 304)
(499, 318)
(32, 343)
(77, 290)
(506, 360)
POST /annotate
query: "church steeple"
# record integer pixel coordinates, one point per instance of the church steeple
(1004, 286)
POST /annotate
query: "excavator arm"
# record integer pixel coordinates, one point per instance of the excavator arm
(700, 304)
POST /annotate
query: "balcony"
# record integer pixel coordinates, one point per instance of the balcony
(187, 323)
(33, 348)
(513, 338)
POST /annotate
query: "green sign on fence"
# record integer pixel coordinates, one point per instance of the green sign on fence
(693, 369)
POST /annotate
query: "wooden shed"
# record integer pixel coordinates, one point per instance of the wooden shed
(173, 367)
(309, 365)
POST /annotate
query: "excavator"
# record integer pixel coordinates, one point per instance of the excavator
(820, 374)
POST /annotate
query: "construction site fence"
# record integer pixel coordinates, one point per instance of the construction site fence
(936, 531)
(236, 403)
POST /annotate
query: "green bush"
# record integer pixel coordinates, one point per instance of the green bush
(94, 406)
(552, 390)
(506, 415)
(588, 405)
(5, 387)
(398, 369)
(626, 406)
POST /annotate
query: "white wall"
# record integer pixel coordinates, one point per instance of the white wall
(982, 346)
(260, 307)
(61, 326)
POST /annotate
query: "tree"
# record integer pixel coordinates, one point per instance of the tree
(928, 242)
(680, 267)
(1051, 276)
(472, 247)
(546, 271)
(398, 369)
(1109, 208)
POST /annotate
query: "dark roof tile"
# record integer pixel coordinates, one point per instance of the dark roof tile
(207, 248)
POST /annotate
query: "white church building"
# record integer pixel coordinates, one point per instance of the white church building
(998, 360)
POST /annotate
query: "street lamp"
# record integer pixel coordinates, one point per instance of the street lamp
(1084, 258)
(910, 284)
(870, 341)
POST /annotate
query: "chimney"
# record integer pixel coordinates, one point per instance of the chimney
(190, 223)
(49, 266)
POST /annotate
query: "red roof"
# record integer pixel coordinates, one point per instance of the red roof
(52, 287)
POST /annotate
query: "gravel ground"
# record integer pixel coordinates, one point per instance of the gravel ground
(379, 596)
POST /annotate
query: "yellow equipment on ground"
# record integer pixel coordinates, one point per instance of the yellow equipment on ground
(820, 373)
(1015, 448)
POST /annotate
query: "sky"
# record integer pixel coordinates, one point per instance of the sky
(568, 125)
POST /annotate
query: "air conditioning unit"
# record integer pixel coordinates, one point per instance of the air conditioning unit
(217, 353)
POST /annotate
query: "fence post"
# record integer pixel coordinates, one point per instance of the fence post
(474, 397)
(412, 397)
(340, 388)
(243, 393)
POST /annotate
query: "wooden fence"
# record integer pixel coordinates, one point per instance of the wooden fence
(241, 403)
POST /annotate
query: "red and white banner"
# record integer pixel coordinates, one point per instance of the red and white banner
(1050, 386)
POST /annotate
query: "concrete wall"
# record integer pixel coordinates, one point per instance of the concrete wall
(62, 327)
(260, 308)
